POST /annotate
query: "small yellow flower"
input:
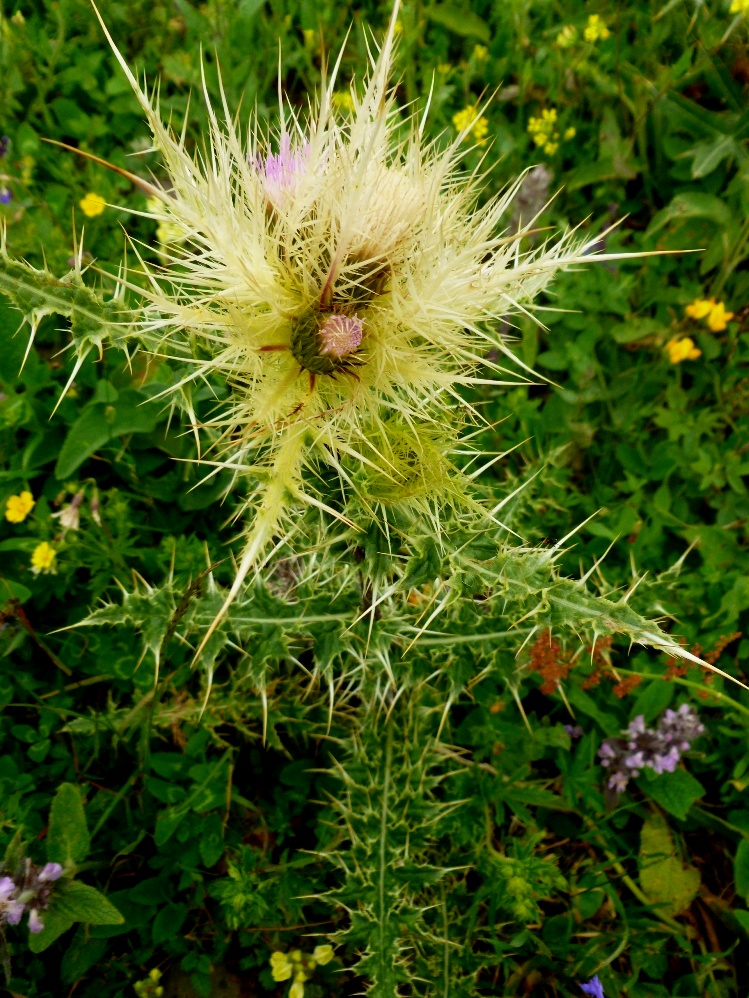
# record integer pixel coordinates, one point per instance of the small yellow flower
(296, 990)
(739, 7)
(569, 133)
(551, 147)
(595, 30)
(296, 955)
(155, 974)
(566, 37)
(92, 205)
(323, 954)
(17, 508)
(43, 559)
(309, 37)
(444, 69)
(281, 968)
(707, 308)
(682, 348)
(480, 53)
(718, 318)
(699, 308)
(469, 121)
(300, 977)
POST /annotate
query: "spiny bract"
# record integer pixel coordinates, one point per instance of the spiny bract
(346, 288)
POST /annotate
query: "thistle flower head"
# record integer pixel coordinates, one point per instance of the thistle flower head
(341, 280)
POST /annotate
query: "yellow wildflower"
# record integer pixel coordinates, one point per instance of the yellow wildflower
(718, 318)
(707, 308)
(17, 508)
(281, 968)
(309, 37)
(43, 559)
(567, 36)
(444, 69)
(682, 348)
(296, 990)
(739, 7)
(300, 977)
(699, 308)
(480, 53)
(595, 29)
(569, 133)
(543, 130)
(323, 954)
(92, 205)
(468, 120)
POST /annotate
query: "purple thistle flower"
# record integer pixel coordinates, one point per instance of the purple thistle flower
(340, 335)
(281, 170)
(6, 195)
(36, 925)
(594, 988)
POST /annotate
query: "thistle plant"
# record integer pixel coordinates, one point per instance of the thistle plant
(338, 276)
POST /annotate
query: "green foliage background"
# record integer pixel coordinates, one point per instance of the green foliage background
(222, 834)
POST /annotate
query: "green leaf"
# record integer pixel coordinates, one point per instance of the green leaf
(68, 841)
(81, 903)
(212, 840)
(675, 792)
(168, 922)
(87, 434)
(708, 155)
(459, 21)
(55, 923)
(742, 917)
(636, 329)
(741, 869)
(82, 954)
(667, 882)
(656, 695)
(691, 204)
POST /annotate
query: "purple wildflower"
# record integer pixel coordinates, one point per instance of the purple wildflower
(574, 731)
(282, 170)
(594, 988)
(11, 909)
(641, 747)
(6, 195)
(4, 146)
(51, 871)
(35, 923)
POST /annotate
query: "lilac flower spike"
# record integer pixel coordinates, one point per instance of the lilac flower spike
(594, 988)
(641, 747)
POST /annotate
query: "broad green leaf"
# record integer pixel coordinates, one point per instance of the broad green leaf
(82, 954)
(55, 923)
(68, 841)
(708, 155)
(636, 329)
(168, 922)
(459, 21)
(656, 695)
(667, 882)
(675, 792)
(87, 434)
(691, 204)
(81, 903)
